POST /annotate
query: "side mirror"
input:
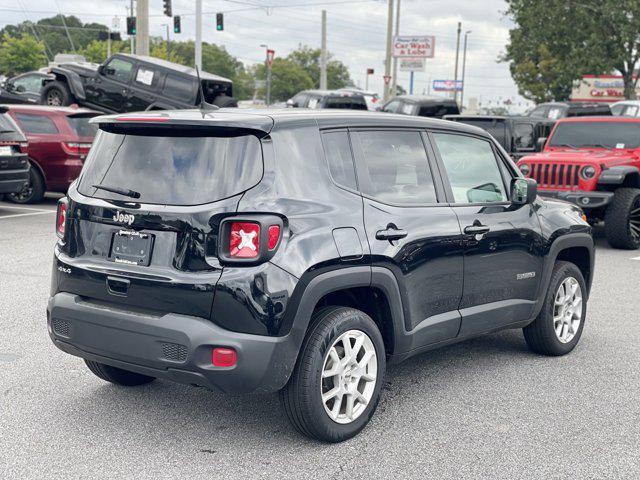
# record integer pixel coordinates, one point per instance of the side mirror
(540, 143)
(291, 103)
(101, 69)
(523, 190)
(20, 89)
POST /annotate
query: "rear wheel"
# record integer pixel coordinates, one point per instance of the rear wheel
(335, 387)
(56, 94)
(33, 192)
(622, 219)
(116, 375)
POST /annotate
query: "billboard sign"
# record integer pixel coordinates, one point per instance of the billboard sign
(414, 46)
(447, 85)
(413, 64)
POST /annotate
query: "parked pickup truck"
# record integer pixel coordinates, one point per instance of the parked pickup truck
(128, 83)
(594, 162)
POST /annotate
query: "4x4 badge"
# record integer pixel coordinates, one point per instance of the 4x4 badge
(124, 218)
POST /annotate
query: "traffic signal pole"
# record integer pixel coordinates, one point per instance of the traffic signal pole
(199, 34)
(142, 27)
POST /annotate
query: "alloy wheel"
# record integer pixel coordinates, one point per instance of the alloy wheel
(634, 219)
(54, 98)
(349, 376)
(567, 310)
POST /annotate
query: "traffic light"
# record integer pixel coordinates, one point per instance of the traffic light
(219, 21)
(167, 7)
(176, 24)
(131, 25)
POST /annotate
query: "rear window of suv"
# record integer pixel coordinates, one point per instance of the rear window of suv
(174, 170)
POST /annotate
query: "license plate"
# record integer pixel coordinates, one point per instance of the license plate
(131, 248)
(6, 150)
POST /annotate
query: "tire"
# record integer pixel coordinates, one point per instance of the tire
(117, 376)
(541, 335)
(622, 219)
(33, 192)
(302, 396)
(56, 94)
(223, 101)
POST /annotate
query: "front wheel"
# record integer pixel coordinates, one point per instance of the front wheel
(335, 387)
(622, 219)
(56, 94)
(558, 327)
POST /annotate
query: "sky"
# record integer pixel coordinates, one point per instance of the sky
(356, 33)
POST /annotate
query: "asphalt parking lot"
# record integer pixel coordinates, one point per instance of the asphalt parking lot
(485, 408)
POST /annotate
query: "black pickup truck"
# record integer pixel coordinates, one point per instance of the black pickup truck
(519, 136)
(128, 83)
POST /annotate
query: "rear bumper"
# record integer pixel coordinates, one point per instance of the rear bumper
(13, 181)
(170, 346)
(585, 200)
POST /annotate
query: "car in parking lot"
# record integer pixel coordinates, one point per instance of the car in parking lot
(372, 98)
(24, 88)
(626, 108)
(302, 251)
(556, 110)
(14, 166)
(126, 83)
(328, 99)
(422, 105)
(59, 140)
(594, 162)
(519, 136)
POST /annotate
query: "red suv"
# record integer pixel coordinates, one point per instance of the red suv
(594, 162)
(59, 140)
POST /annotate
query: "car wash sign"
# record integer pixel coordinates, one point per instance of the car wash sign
(414, 46)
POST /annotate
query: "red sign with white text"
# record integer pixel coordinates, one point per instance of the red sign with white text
(414, 46)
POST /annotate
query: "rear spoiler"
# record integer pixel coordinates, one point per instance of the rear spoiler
(261, 124)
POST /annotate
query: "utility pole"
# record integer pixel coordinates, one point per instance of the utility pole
(142, 27)
(131, 36)
(199, 34)
(108, 42)
(455, 78)
(464, 65)
(387, 63)
(323, 53)
(394, 79)
(168, 40)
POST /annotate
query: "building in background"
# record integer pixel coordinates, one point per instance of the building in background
(599, 88)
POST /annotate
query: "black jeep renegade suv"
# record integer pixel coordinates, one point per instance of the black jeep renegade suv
(302, 251)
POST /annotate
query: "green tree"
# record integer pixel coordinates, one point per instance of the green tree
(287, 79)
(20, 54)
(309, 59)
(96, 51)
(555, 42)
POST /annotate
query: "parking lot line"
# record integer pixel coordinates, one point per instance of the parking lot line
(40, 212)
(24, 208)
(635, 258)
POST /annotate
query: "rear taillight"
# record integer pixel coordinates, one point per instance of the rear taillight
(61, 217)
(24, 146)
(249, 239)
(244, 240)
(75, 148)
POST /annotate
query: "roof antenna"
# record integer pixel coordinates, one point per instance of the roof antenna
(204, 106)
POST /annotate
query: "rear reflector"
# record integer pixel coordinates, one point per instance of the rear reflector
(61, 218)
(274, 236)
(244, 240)
(223, 357)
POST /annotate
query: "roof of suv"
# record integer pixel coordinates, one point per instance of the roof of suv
(264, 120)
(423, 98)
(174, 66)
(612, 119)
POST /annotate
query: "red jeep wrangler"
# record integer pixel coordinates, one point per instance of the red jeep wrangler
(594, 162)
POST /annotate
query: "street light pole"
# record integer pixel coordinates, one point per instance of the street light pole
(199, 34)
(394, 80)
(455, 79)
(387, 63)
(267, 64)
(464, 66)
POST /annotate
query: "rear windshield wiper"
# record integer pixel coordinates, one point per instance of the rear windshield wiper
(120, 191)
(7, 131)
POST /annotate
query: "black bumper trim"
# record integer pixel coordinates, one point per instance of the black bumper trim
(584, 200)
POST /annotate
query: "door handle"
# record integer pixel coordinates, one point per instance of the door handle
(391, 233)
(476, 229)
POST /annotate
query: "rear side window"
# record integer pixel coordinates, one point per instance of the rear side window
(395, 168)
(37, 124)
(392, 106)
(81, 126)
(523, 136)
(179, 87)
(175, 170)
(350, 103)
(338, 152)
